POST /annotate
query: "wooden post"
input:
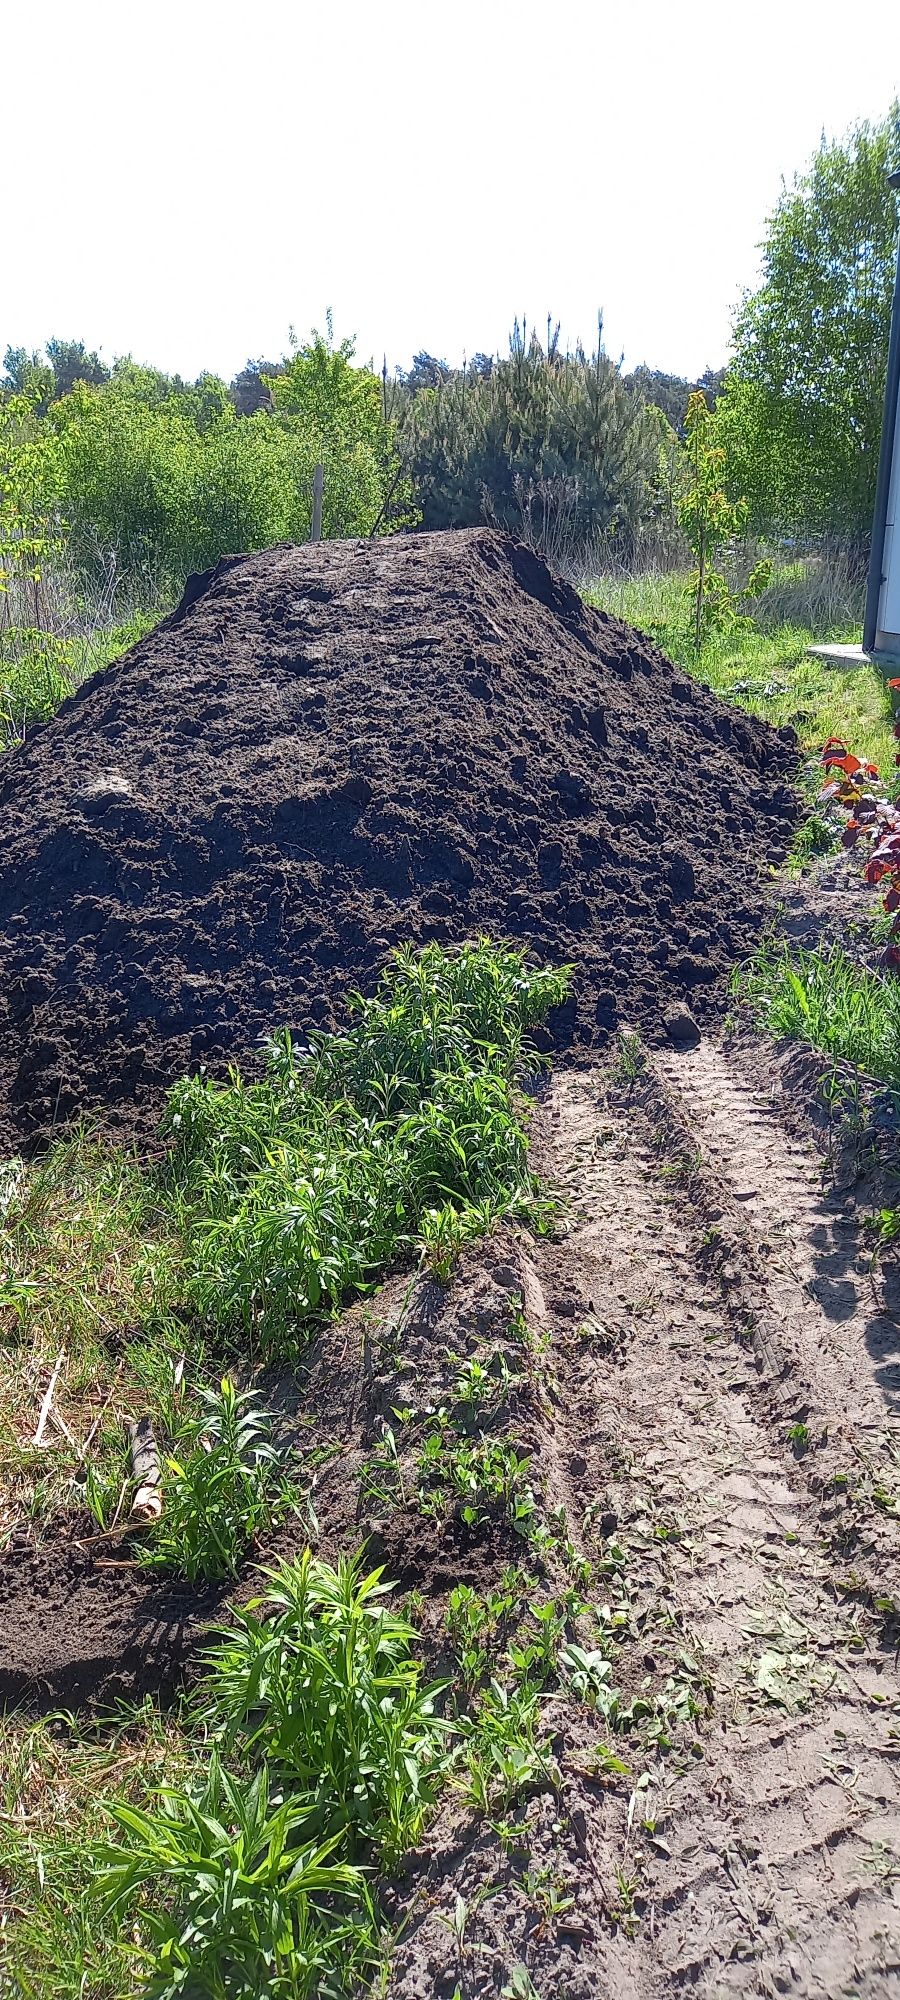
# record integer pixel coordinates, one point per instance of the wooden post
(318, 490)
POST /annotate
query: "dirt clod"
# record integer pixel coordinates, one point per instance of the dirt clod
(326, 751)
(681, 1027)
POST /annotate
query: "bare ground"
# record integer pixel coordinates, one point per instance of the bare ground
(709, 1299)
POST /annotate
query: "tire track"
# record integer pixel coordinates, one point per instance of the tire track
(784, 1836)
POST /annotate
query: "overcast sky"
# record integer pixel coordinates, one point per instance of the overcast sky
(183, 180)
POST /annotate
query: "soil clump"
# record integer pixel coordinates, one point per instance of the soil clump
(327, 751)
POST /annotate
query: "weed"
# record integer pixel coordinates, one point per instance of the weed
(381, 1479)
(297, 1191)
(816, 835)
(548, 1895)
(623, 1914)
(501, 1753)
(227, 1486)
(481, 1388)
(519, 1985)
(324, 1686)
(630, 1060)
(258, 1904)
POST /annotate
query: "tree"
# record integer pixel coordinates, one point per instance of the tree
(802, 409)
(709, 519)
(342, 412)
(551, 445)
(71, 363)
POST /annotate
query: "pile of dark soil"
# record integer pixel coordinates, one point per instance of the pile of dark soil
(328, 750)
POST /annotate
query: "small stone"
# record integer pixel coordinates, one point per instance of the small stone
(681, 1027)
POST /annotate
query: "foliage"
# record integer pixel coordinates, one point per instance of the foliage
(325, 1687)
(709, 520)
(670, 393)
(872, 818)
(802, 409)
(225, 1486)
(550, 445)
(298, 1190)
(827, 999)
(343, 408)
(165, 476)
(253, 1907)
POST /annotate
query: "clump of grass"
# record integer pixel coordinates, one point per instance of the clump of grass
(54, 1936)
(827, 999)
(295, 1192)
(815, 836)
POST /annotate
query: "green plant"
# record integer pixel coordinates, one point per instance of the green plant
(708, 519)
(533, 1660)
(501, 1754)
(630, 1059)
(802, 407)
(827, 999)
(254, 1905)
(294, 1192)
(324, 1686)
(481, 1474)
(815, 835)
(227, 1485)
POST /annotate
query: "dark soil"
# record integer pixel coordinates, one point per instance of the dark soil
(326, 751)
(81, 1625)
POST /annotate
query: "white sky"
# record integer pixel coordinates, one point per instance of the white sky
(184, 180)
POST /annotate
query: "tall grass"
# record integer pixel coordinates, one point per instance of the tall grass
(57, 632)
(764, 667)
(826, 999)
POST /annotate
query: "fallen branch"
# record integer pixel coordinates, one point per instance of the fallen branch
(145, 1465)
(47, 1403)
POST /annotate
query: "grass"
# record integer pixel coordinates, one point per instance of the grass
(90, 1270)
(278, 1200)
(55, 1938)
(826, 999)
(40, 669)
(765, 670)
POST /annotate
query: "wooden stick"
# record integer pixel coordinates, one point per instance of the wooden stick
(147, 1502)
(47, 1402)
(318, 490)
